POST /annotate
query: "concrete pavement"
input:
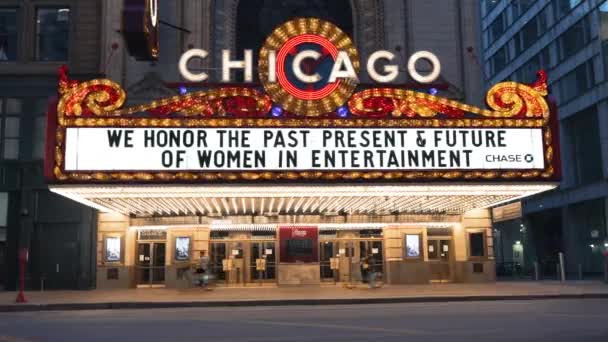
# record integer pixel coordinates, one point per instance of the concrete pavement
(310, 295)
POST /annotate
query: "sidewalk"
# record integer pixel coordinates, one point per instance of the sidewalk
(301, 295)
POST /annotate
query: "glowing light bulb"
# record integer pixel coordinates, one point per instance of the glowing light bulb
(276, 111)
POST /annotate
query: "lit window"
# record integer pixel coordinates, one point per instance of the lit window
(52, 34)
(8, 34)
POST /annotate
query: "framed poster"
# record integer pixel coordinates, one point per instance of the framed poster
(412, 245)
(112, 249)
(182, 248)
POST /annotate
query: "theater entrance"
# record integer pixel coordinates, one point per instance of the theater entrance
(243, 263)
(340, 256)
(150, 264)
(262, 262)
(440, 259)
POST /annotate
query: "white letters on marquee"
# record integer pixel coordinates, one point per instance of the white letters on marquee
(342, 68)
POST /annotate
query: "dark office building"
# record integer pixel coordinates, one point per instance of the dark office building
(36, 37)
(569, 40)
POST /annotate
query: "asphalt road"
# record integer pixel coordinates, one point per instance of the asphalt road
(537, 320)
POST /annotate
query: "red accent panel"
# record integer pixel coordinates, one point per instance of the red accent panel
(554, 127)
(299, 233)
(50, 143)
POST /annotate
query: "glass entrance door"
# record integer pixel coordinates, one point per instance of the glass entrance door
(373, 249)
(216, 258)
(327, 250)
(440, 255)
(150, 267)
(262, 251)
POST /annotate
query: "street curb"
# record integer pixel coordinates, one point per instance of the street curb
(284, 302)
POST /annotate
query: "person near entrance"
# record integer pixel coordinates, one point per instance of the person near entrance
(367, 271)
(203, 270)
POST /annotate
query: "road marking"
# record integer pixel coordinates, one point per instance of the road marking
(341, 327)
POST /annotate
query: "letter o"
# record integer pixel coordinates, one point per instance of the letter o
(183, 65)
(429, 56)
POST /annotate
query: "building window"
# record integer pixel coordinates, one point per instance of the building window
(574, 39)
(496, 28)
(519, 7)
(52, 34)
(527, 36)
(10, 128)
(576, 82)
(585, 153)
(3, 208)
(499, 60)
(563, 7)
(541, 61)
(603, 9)
(477, 245)
(488, 5)
(8, 34)
(39, 128)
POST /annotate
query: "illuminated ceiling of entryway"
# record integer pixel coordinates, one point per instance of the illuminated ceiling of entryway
(226, 200)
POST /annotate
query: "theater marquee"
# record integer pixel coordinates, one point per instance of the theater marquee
(275, 149)
(275, 134)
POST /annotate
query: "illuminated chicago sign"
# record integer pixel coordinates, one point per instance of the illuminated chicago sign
(290, 59)
(308, 121)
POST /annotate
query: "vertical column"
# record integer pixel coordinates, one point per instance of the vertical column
(197, 19)
(475, 268)
(472, 73)
(112, 44)
(115, 273)
(435, 27)
(395, 28)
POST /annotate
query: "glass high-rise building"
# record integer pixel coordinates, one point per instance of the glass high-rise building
(569, 40)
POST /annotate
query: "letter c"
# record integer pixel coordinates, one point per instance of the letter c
(183, 65)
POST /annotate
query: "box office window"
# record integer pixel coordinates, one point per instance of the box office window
(182, 248)
(298, 248)
(412, 246)
(112, 249)
(476, 245)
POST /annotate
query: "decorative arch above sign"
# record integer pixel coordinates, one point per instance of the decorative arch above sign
(387, 135)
